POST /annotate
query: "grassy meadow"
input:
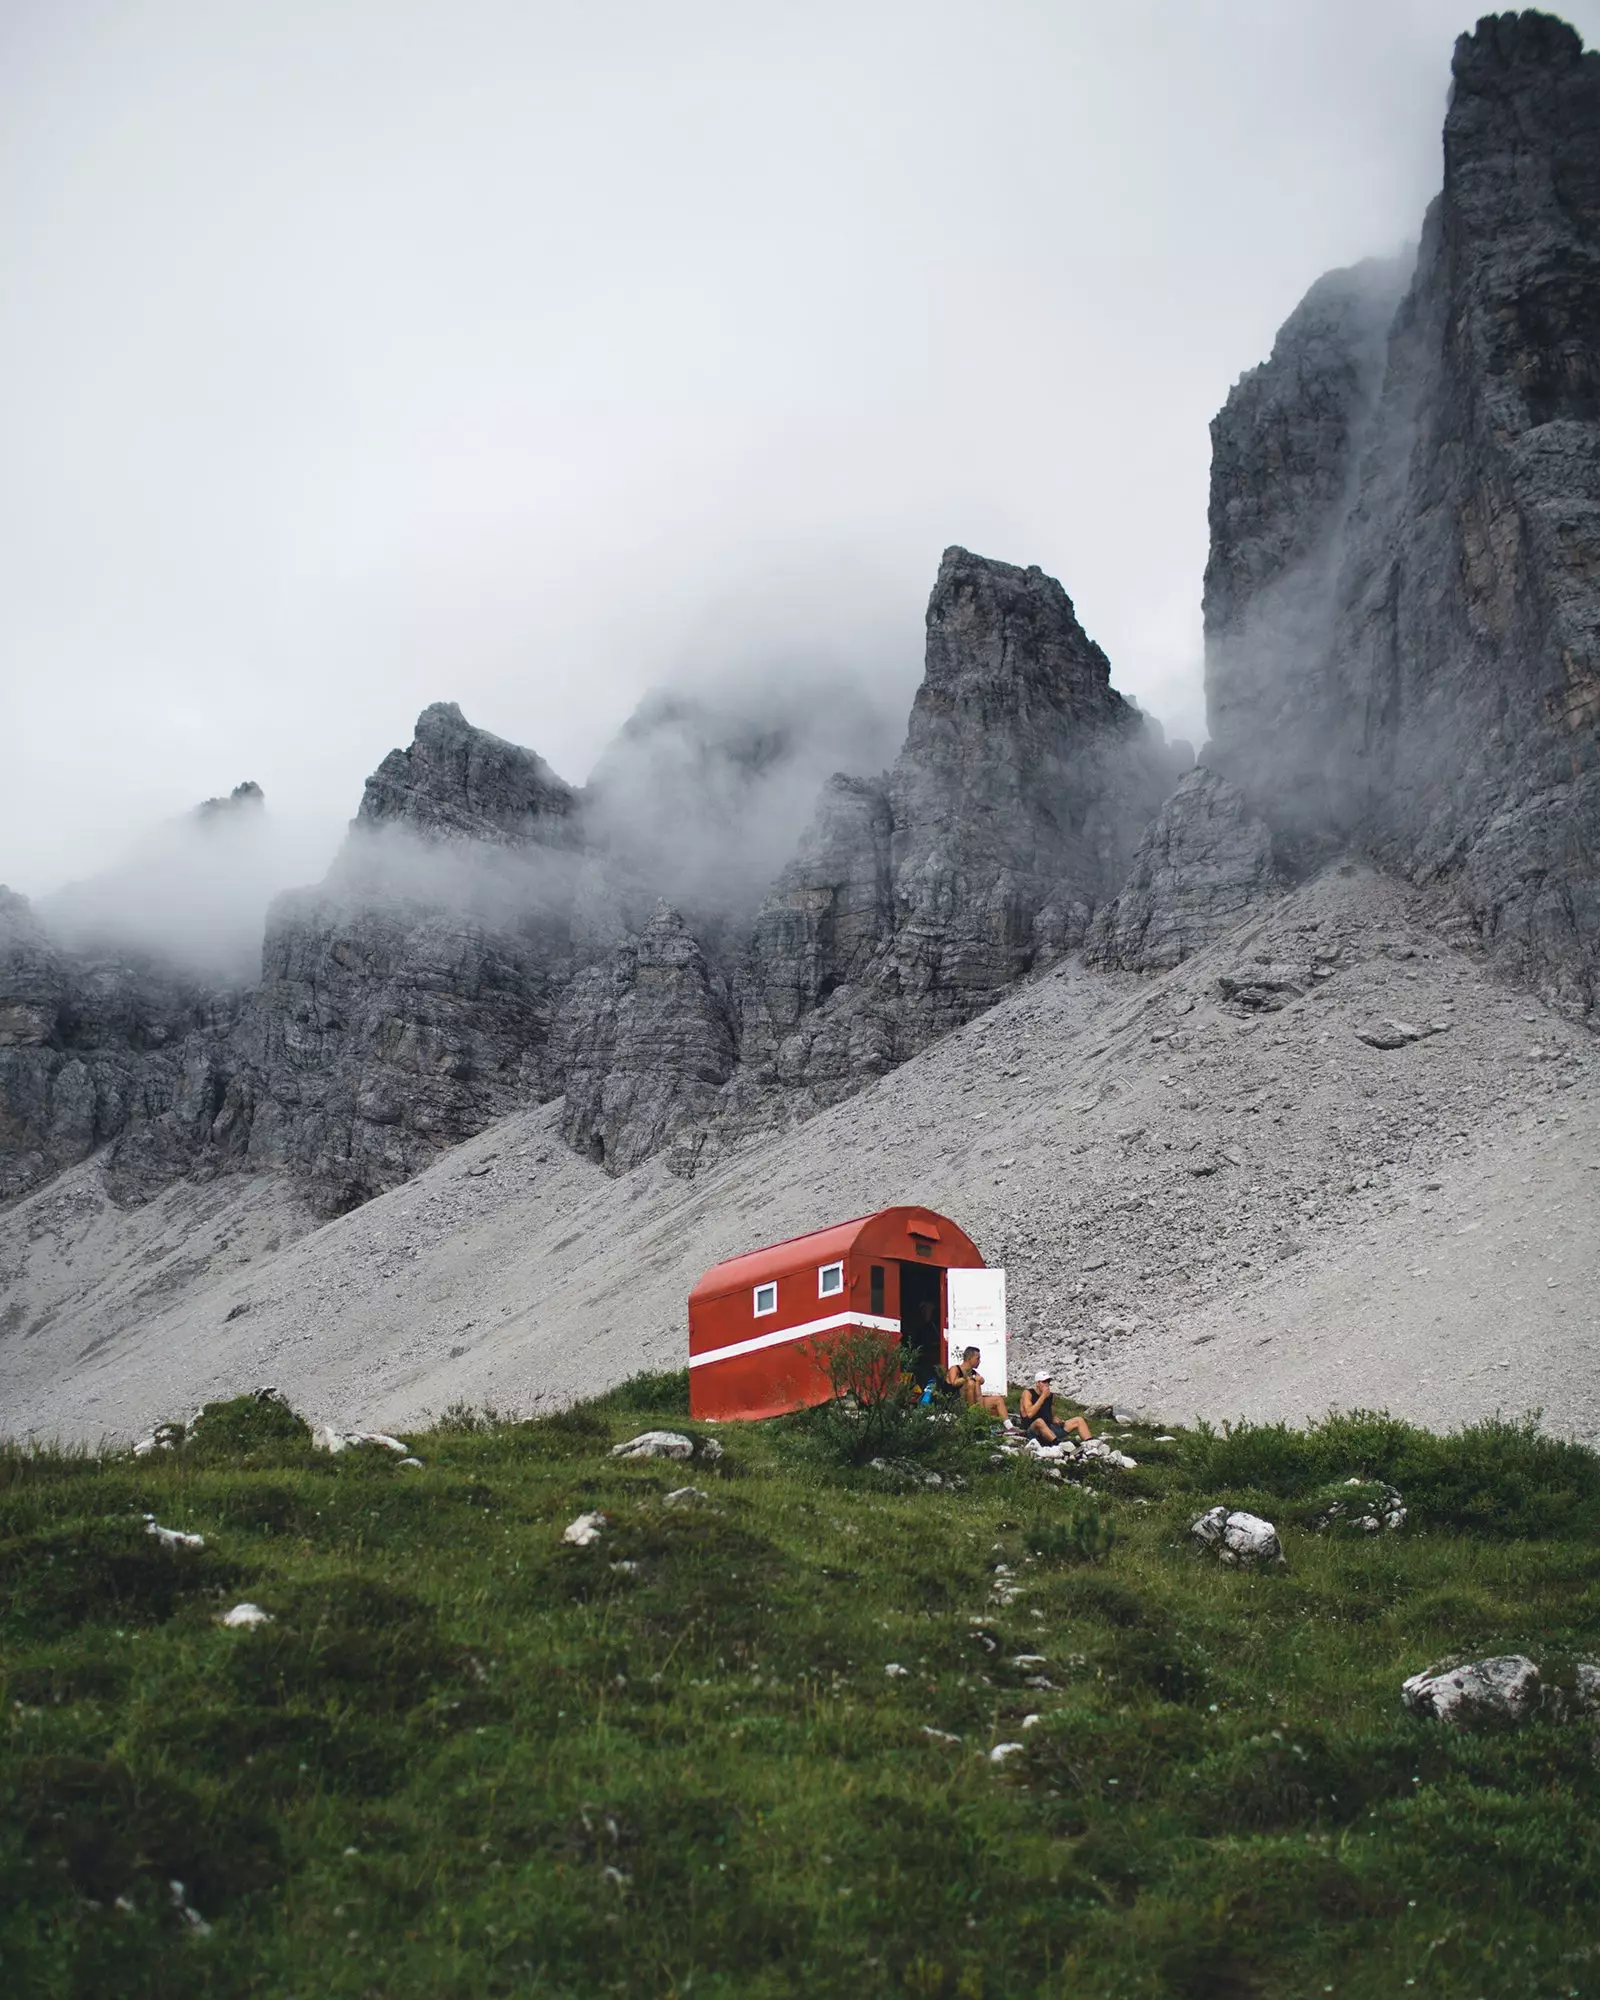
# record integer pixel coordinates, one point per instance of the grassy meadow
(467, 1758)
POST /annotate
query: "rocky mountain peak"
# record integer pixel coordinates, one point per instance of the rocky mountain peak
(1403, 622)
(999, 633)
(1022, 788)
(243, 799)
(1498, 52)
(457, 781)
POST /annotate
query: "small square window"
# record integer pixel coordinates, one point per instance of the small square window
(830, 1279)
(766, 1299)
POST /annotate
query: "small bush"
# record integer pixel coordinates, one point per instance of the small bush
(1343, 1508)
(248, 1429)
(874, 1401)
(463, 1420)
(1503, 1478)
(574, 1432)
(661, 1392)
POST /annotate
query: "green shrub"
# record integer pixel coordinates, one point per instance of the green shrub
(252, 1430)
(1341, 1509)
(1502, 1478)
(662, 1392)
(465, 1420)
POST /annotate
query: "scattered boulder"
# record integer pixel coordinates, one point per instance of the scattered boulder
(896, 1672)
(1092, 1451)
(1106, 1452)
(190, 1917)
(1398, 1034)
(684, 1496)
(656, 1444)
(172, 1538)
(1506, 1686)
(243, 1616)
(331, 1440)
(1263, 988)
(584, 1532)
(669, 1444)
(165, 1437)
(1239, 1539)
(1002, 1751)
(1359, 1506)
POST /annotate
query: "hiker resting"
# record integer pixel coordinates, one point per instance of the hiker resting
(963, 1376)
(1039, 1419)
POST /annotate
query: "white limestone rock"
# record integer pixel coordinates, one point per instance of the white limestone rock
(330, 1440)
(1507, 1685)
(172, 1538)
(1240, 1540)
(656, 1444)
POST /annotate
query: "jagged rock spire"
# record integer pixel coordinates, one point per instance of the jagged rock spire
(1426, 680)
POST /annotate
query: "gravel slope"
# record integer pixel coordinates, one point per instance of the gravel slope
(1206, 1208)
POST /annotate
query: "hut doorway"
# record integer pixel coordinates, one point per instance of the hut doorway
(920, 1319)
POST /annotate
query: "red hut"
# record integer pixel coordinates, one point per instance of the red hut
(755, 1321)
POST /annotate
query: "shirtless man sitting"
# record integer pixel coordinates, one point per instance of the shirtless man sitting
(1039, 1418)
(963, 1376)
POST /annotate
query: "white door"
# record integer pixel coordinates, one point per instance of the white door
(978, 1319)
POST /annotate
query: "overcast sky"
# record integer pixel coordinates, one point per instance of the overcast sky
(356, 354)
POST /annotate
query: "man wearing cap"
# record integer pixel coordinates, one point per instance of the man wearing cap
(1039, 1414)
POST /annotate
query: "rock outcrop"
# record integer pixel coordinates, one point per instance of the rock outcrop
(485, 938)
(104, 1050)
(1204, 863)
(1024, 785)
(1010, 816)
(913, 902)
(409, 1000)
(1403, 617)
(806, 1001)
(457, 782)
(644, 1043)
(1285, 472)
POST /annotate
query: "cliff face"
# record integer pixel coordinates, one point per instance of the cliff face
(1423, 672)
(1204, 863)
(485, 937)
(1023, 786)
(104, 1050)
(1286, 458)
(409, 1000)
(645, 1043)
(458, 782)
(913, 902)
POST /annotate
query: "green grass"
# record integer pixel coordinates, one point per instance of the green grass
(466, 1759)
